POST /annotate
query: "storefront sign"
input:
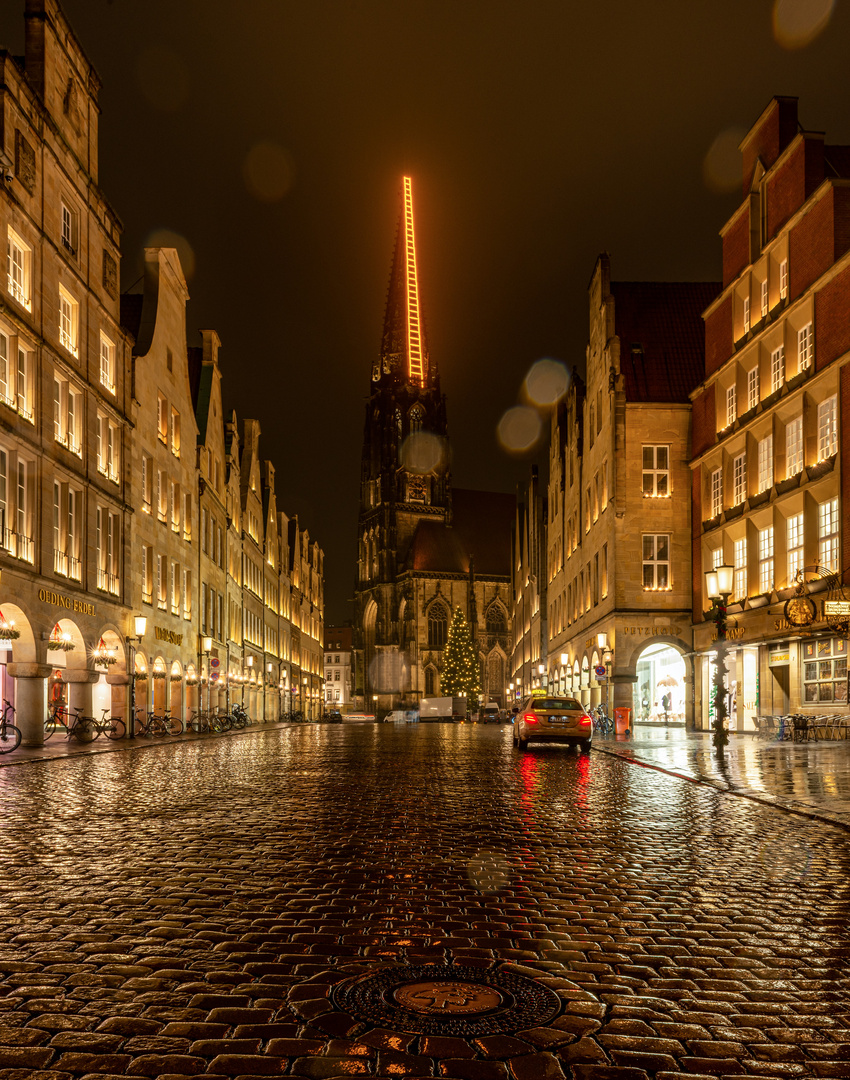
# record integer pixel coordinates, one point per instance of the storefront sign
(779, 657)
(836, 607)
(648, 631)
(70, 603)
(162, 634)
(733, 633)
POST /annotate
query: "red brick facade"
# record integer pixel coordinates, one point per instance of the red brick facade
(843, 420)
(719, 339)
(832, 320)
(736, 246)
(786, 188)
(770, 137)
(811, 246)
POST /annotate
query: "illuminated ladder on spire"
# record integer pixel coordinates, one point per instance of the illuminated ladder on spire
(414, 331)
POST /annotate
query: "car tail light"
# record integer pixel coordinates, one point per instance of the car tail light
(530, 718)
(585, 720)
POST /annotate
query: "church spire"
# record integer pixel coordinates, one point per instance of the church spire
(403, 350)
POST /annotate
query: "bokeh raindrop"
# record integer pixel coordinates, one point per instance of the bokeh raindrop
(519, 429)
(268, 171)
(488, 872)
(167, 238)
(796, 23)
(721, 167)
(546, 382)
(422, 452)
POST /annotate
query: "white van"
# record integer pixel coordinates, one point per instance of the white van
(402, 716)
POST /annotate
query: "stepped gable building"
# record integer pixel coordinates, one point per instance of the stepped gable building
(618, 541)
(424, 548)
(771, 463)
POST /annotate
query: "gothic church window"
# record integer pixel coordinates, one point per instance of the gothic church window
(430, 682)
(438, 621)
(417, 415)
(496, 621)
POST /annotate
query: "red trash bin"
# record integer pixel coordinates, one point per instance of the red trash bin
(622, 721)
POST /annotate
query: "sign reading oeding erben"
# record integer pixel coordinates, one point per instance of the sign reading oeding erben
(69, 603)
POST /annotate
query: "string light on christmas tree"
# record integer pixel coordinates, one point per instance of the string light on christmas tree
(460, 675)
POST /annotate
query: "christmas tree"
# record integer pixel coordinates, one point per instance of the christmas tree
(460, 661)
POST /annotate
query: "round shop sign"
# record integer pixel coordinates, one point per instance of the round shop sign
(600, 669)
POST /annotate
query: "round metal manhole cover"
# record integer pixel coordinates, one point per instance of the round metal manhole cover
(437, 1000)
(447, 997)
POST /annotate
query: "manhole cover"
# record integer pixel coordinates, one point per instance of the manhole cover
(447, 997)
(445, 1000)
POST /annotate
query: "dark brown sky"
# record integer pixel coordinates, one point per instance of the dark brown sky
(538, 134)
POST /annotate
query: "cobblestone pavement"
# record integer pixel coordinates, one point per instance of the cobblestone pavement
(221, 908)
(808, 777)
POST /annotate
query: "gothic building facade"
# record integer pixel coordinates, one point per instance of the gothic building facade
(424, 547)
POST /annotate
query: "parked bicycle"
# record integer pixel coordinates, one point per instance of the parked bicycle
(57, 720)
(10, 733)
(602, 722)
(112, 727)
(154, 726)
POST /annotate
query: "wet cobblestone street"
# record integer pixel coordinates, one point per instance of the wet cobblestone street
(215, 908)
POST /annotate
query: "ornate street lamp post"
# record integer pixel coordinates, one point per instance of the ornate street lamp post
(206, 649)
(140, 624)
(718, 585)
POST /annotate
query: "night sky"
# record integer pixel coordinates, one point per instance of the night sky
(270, 137)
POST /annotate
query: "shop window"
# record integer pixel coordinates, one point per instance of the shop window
(825, 670)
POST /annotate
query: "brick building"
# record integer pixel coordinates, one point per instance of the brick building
(770, 465)
(618, 553)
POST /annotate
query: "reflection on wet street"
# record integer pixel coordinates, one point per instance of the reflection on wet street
(813, 776)
(188, 909)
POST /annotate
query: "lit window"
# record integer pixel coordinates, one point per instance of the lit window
(765, 463)
(805, 347)
(746, 314)
(752, 388)
(731, 405)
(777, 368)
(765, 548)
(69, 314)
(783, 279)
(739, 479)
(161, 418)
(23, 386)
(19, 269)
(795, 546)
(740, 565)
(656, 561)
(175, 507)
(6, 392)
(72, 535)
(107, 549)
(175, 432)
(147, 483)
(107, 363)
(825, 670)
(716, 492)
(161, 496)
(107, 448)
(147, 574)
(764, 298)
(656, 471)
(67, 413)
(69, 229)
(827, 428)
(828, 534)
(794, 447)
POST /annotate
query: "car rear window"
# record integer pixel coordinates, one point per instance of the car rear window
(561, 704)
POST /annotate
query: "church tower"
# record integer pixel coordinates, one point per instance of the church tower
(405, 473)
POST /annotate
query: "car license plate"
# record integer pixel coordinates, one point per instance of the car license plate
(558, 720)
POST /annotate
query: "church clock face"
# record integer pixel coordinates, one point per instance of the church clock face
(416, 489)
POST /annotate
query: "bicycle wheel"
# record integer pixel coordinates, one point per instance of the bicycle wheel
(114, 728)
(84, 729)
(159, 728)
(174, 725)
(10, 738)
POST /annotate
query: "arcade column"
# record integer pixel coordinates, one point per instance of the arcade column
(30, 700)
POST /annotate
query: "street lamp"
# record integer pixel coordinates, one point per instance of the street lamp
(719, 583)
(140, 624)
(206, 649)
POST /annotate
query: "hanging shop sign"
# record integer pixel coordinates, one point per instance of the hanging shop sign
(800, 611)
(836, 607)
(69, 603)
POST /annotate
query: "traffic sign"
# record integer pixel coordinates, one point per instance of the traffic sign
(600, 670)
